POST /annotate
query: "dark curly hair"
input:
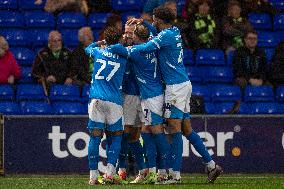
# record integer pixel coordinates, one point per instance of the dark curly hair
(142, 32)
(112, 35)
(165, 14)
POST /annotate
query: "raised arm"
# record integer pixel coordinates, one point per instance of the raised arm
(120, 50)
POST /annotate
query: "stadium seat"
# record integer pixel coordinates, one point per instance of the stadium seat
(210, 108)
(244, 109)
(268, 39)
(6, 92)
(126, 15)
(30, 92)
(202, 90)
(27, 5)
(281, 35)
(8, 4)
(279, 4)
(223, 108)
(226, 93)
(210, 57)
(188, 57)
(70, 38)
(278, 21)
(24, 56)
(9, 108)
(37, 108)
(260, 21)
(98, 20)
(70, 20)
(266, 108)
(40, 20)
(10, 19)
(16, 37)
(230, 58)
(194, 73)
(86, 93)
(280, 94)
(127, 5)
(40, 37)
(269, 52)
(26, 75)
(70, 108)
(217, 74)
(64, 93)
(258, 94)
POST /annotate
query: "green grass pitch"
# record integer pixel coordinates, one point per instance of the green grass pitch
(190, 181)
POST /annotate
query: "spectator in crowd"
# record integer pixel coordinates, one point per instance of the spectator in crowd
(249, 63)
(99, 5)
(189, 9)
(52, 63)
(234, 26)
(81, 64)
(203, 31)
(113, 20)
(261, 6)
(57, 6)
(10, 71)
(277, 66)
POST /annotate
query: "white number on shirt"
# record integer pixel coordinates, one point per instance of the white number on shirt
(104, 63)
(180, 57)
(155, 61)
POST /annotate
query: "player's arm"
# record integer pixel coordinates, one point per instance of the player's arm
(151, 28)
(120, 50)
(89, 50)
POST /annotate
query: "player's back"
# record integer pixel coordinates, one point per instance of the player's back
(107, 76)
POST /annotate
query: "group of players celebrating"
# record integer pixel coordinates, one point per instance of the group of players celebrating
(148, 64)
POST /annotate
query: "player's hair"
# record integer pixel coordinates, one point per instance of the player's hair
(164, 13)
(141, 31)
(249, 32)
(112, 35)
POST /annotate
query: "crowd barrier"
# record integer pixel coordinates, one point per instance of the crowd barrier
(59, 144)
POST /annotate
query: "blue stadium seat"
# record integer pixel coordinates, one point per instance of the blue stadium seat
(269, 52)
(210, 108)
(278, 21)
(127, 5)
(69, 37)
(210, 57)
(230, 57)
(6, 92)
(30, 92)
(217, 74)
(36, 108)
(223, 108)
(202, 90)
(70, 20)
(268, 39)
(24, 56)
(260, 21)
(280, 93)
(194, 74)
(16, 37)
(26, 75)
(40, 20)
(8, 4)
(281, 36)
(40, 37)
(98, 20)
(9, 108)
(266, 108)
(30, 5)
(64, 93)
(188, 57)
(258, 94)
(225, 93)
(86, 93)
(125, 15)
(244, 109)
(11, 19)
(279, 4)
(70, 108)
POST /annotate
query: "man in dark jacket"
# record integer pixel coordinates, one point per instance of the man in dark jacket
(52, 63)
(249, 62)
(81, 64)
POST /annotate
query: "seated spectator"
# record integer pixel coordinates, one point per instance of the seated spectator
(57, 6)
(234, 27)
(203, 28)
(113, 20)
(52, 63)
(249, 63)
(99, 6)
(261, 6)
(10, 71)
(81, 64)
(189, 9)
(277, 66)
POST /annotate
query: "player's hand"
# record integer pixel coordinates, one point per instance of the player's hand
(101, 43)
(11, 79)
(38, 2)
(51, 78)
(134, 21)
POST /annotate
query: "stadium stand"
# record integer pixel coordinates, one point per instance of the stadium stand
(6, 93)
(64, 93)
(30, 92)
(10, 108)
